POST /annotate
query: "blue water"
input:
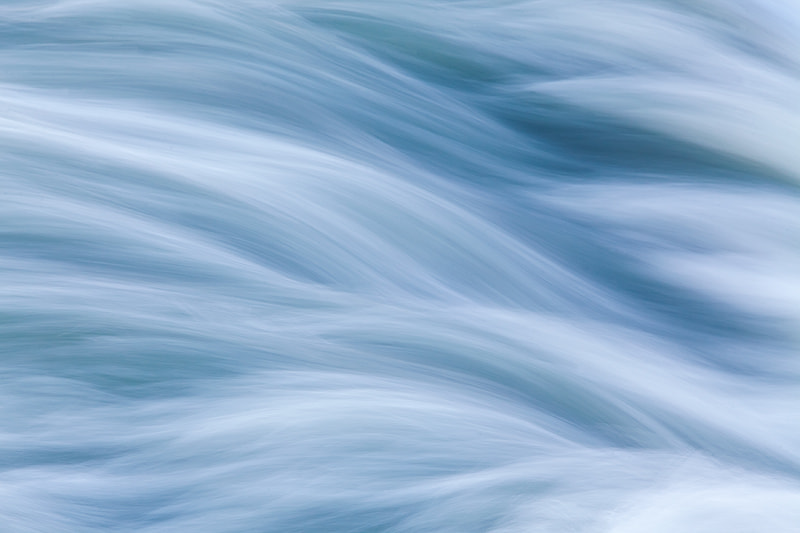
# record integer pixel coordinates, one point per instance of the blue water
(507, 266)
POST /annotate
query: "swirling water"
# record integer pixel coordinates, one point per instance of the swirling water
(400, 266)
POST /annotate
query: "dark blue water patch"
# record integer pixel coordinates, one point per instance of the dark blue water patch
(615, 146)
(640, 297)
(672, 304)
(44, 456)
(114, 355)
(574, 137)
(424, 52)
(89, 254)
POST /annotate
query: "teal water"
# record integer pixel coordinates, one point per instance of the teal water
(417, 266)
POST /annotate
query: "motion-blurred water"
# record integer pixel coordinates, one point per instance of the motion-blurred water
(502, 266)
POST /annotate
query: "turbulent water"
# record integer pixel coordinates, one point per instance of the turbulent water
(501, 266)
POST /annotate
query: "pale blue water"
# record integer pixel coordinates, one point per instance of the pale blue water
(357, 266)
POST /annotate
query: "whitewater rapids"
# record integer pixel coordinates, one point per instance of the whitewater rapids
(410, 266)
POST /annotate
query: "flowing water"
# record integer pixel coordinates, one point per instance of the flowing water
(506, 266)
